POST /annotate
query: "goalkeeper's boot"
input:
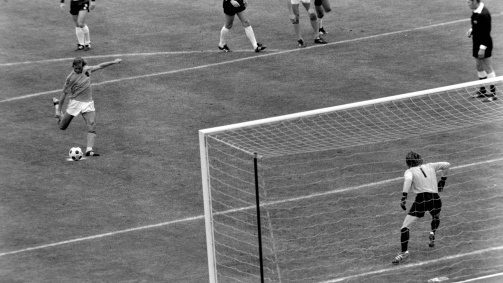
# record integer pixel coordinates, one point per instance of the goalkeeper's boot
(87, 47)
(224, 48)
(401, 257)
(80, 47)
(260, 47)
(481, 93)
(301, 42)
(489, 98)
(432, 240)
(91, 153)
(322, 31)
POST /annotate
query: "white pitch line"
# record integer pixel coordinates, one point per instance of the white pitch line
(407, 266)
(126, 55)
(102, 235)
(200, 217)
(235, 60)
(482, 277)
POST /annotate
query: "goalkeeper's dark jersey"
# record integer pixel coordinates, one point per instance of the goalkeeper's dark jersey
(481, 29)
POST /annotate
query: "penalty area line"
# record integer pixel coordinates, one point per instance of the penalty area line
(200, 217)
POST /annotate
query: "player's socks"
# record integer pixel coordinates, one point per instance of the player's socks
(432, 240)
(91, 136)
(404, 238)
(314, 24)
(80, 36)
(55, 102)
(87, 36)
(223, 36)
(251, 36)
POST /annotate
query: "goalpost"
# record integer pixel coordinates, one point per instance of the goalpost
(314, 196)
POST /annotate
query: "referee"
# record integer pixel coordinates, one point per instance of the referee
(480, 32)
(422, 179)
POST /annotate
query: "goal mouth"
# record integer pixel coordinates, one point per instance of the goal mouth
(322, 204)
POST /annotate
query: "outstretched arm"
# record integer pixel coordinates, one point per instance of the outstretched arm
(105, 64)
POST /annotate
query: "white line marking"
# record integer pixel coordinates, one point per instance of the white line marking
(126, 55)
(200, 217)
(406, 266)
(102, 235)
(231, 61)
(478, 278)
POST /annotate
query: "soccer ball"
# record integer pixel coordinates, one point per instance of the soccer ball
(75, 153)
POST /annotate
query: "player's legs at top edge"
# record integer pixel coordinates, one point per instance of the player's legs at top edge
(79, 11)
(230, 11)
(322, 7)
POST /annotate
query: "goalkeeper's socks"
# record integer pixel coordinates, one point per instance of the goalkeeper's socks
(404, 238)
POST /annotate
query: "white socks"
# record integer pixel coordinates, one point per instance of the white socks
(251, 36)
(223, 36)
(83, 35)
(249, 33)
(80, 35)
(87, 37)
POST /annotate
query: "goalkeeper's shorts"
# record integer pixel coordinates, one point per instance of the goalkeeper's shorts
(426, 202)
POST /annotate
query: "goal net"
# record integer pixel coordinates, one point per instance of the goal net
(329, 183)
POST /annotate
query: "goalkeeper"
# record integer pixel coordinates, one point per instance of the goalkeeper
(422, 179)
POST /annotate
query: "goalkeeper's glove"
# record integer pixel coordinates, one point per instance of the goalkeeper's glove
(441, 184)
(403, 201)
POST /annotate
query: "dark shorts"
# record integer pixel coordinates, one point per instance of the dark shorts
(426, 202)
(77, 6)
(318, 2)
(476, 47)
(230, 10)
(488, 53)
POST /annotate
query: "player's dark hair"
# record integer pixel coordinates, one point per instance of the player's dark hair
(78, 61)
(413, 159)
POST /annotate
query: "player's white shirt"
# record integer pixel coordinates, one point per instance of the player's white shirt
(423, 178)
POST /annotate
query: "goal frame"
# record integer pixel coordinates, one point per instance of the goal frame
(208, 215)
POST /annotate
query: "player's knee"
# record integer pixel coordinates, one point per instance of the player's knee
(312, 16)
(246, 23)
(92, 132)
(294, 20)
(81, 24)
(91, 126)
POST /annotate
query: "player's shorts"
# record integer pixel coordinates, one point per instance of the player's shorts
(426, 202)
(230, 10)
(77, 6)
(296, 2)
(76, 107)
(488, 51)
